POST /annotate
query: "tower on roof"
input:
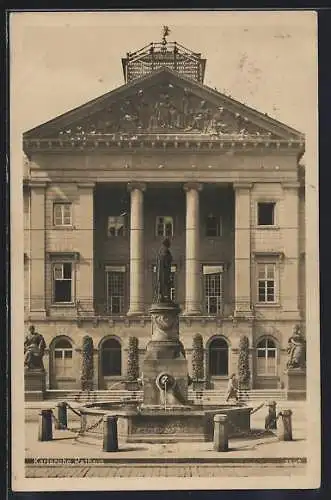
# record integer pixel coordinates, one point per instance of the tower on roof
(173, 55)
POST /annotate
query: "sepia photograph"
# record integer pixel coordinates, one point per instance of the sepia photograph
(164, 250)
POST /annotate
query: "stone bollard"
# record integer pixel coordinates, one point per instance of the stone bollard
(271, 418)
(221, 432)
(285, 426)
(61, 416)
(45, 429)
(110, 440)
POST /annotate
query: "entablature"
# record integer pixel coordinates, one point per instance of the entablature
(163, 142)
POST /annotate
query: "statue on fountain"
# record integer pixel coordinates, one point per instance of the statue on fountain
(34, 348)
(163, 274)
(165, 366)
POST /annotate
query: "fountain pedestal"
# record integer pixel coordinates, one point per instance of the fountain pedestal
(165, 369)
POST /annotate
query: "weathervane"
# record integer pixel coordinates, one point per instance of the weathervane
(165, 33)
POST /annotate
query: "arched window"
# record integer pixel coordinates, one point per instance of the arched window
(63, 362)
(111, 358)
(266, 353)
(218, 357)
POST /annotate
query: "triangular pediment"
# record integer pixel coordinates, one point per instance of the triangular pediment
(163, 102)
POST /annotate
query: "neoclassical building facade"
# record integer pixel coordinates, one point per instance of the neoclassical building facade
(164, 156)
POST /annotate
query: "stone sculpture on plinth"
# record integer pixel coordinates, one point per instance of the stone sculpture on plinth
(165, 355)
(296, 349)
(34, 371)
(296, 365)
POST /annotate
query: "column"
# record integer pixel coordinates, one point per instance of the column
(85, 277)
(242, 248)
(192, 262)
(137, 303)
(37, 249)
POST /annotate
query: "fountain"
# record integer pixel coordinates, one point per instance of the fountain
(165, 414)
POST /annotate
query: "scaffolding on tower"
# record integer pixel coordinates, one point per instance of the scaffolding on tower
(172, 55)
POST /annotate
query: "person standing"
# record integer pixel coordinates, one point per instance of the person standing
(232, 390)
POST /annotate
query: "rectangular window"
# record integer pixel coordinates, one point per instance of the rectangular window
(164, 226)
(266, 283)
(115, 282)
(116, 226)
(213, 289)
(62, 214)
(266, 214)
(213, 226)
(172, 282)
(62, 282)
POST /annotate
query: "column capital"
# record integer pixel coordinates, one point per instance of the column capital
(242, 185)
(136, 185)
(196, 186)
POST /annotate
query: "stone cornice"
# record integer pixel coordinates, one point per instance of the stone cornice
(163, 142)
(86, 185)
(277, 254)
(34, 183)
(165, 176)
(72, 255)
(291, 185)
(242, 185)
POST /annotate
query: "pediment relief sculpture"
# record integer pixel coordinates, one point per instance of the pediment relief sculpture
(164, 109)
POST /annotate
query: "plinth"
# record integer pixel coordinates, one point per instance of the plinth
(165, 355)
(34, 384)
(296, 384)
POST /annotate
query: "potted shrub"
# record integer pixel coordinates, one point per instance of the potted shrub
(243, 364)
(198, 363)
(133, 365)
(87, 364)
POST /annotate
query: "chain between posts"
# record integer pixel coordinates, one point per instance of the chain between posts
(237, 429)
(73, 409)
(92, 426)
(78, 432)
(61, 426)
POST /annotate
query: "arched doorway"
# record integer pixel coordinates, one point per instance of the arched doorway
(218, 363)
(63, 375)
(110, 362)
(218, 358)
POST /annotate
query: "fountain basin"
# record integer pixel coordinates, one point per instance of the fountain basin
(139, 424)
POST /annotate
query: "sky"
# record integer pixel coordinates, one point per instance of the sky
(60, 60)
